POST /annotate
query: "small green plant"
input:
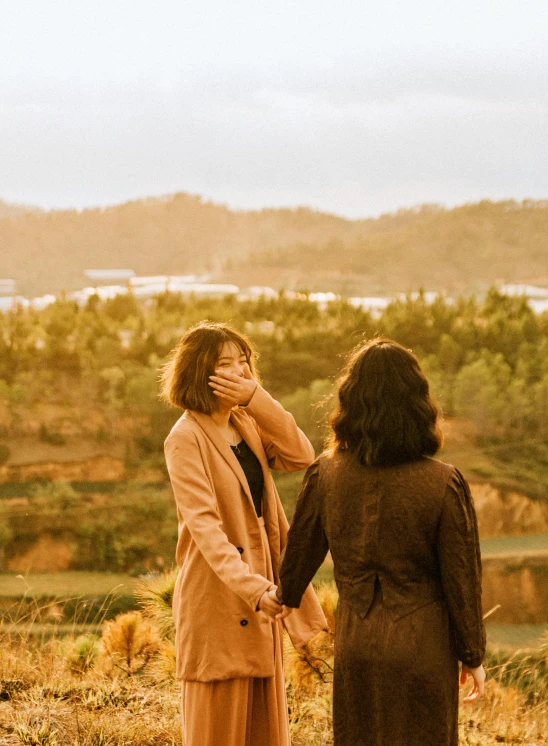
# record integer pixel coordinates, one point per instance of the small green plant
(82, 653)
(42, 735)
(55, 495)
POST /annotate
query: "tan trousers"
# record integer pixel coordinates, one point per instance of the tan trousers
(239, 712)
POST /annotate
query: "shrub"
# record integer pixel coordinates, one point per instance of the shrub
(82, 653)
(155, 595)
(59, 495)
(130, 642)
(312, 664)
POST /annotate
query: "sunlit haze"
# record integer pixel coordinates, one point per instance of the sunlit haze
(349, 107)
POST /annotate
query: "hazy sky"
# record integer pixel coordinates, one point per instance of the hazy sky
(351, 106)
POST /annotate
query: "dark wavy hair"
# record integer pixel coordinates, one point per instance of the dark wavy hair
(185, 377)
(384, 413)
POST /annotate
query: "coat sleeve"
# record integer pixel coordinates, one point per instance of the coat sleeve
(307, 544)
(286, 446)
(197, 505)
(460, 567)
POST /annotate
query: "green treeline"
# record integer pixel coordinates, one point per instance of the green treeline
(487, 360)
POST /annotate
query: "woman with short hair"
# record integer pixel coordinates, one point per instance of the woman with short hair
(402, 532)
(232, 530)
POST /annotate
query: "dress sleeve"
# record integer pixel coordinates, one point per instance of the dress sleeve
(460, 567)
(307, 544)
(197, 505)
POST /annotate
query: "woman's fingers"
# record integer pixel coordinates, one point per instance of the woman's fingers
(227, 394)
(474, 694)
(223, 389)
(478, 675)
(286, 611)
(247, 372)
(281, 611)
(269, 604)
(225, 383)
(226, 397)
(232, 388)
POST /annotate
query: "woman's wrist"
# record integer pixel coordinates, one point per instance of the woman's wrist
(251, 397)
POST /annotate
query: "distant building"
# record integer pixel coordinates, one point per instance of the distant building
(42, 302)
(162, 280)
(7, 302)
(100, 276)
(529, 291)
(204, 289)
(144, 288)
(375, 305)
(537, 297)
(102, 291)
(257, 291)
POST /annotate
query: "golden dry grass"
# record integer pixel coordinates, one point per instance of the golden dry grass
(67, 692)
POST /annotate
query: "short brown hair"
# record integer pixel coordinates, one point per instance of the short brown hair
(185, 377)
(384, 414)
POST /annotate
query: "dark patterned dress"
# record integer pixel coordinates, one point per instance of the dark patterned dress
(405, 549)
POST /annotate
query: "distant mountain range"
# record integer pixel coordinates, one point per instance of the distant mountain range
(8, 210)
(460, 249)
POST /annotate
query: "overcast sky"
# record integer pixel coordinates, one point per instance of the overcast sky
(348, 106)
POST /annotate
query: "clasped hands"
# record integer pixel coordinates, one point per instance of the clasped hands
(270, 605)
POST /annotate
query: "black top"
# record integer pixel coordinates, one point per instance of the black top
(253, 472)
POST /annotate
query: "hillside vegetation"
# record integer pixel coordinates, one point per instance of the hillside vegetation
(71, 374)
(467, 247)
(456, 250)
(79, 381)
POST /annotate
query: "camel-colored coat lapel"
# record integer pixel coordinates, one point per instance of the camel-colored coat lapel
(220, 553)
(244, 425)
(222, 446)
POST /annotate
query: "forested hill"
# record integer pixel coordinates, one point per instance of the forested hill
(9, 210)
(458, 249)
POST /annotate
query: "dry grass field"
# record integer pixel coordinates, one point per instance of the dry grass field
(115, 687)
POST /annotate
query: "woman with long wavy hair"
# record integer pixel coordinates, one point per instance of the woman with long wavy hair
(402, 532)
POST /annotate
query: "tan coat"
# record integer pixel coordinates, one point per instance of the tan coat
(222, 575)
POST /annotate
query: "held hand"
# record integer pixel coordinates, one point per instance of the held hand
(478, 675)
(232, 389)
(270, 605)
(285, 610)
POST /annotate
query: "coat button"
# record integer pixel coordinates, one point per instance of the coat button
(240, 549)
(244, 622)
